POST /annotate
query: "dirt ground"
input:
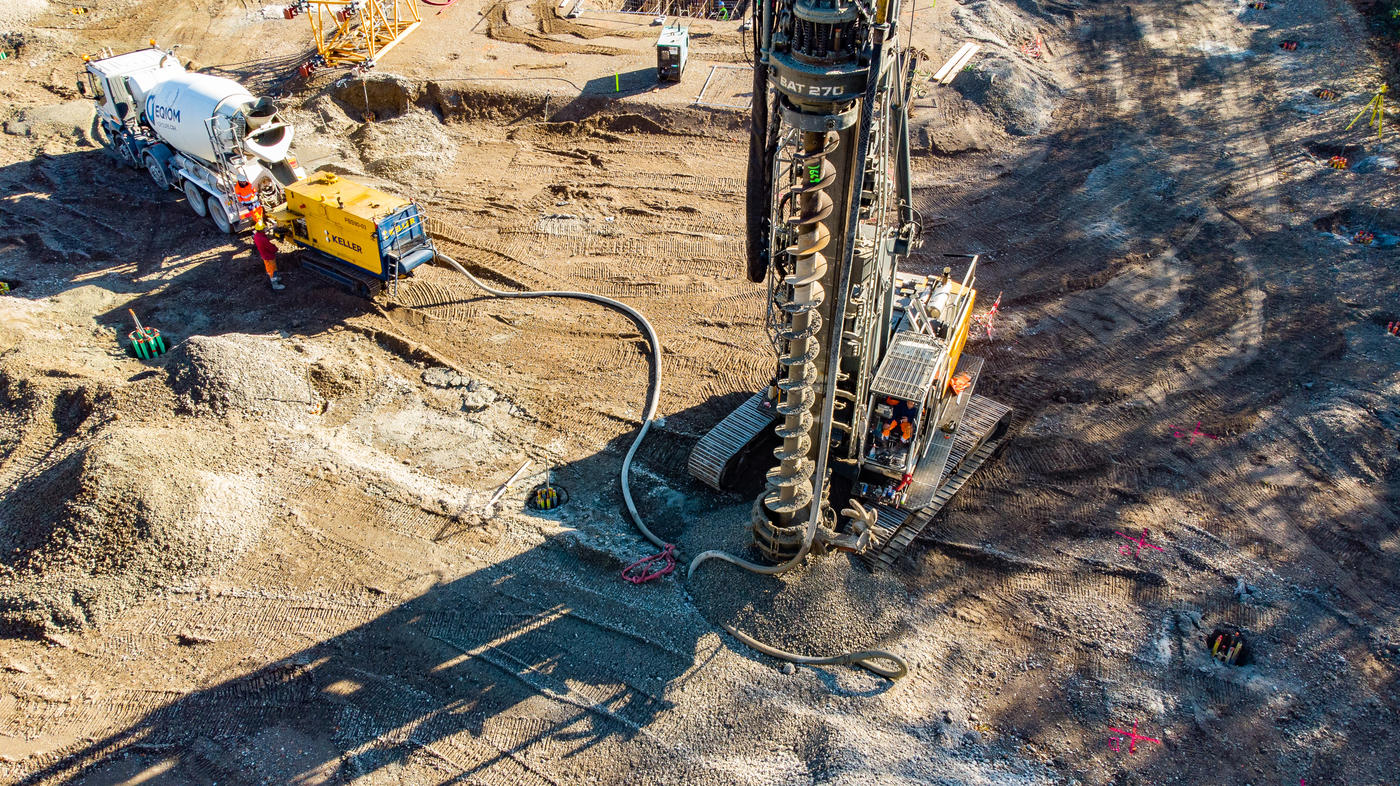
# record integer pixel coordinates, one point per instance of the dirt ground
(268, 557)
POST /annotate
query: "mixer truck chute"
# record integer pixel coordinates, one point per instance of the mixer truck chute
(199, 134)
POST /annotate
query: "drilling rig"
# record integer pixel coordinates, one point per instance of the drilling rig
(872, 405)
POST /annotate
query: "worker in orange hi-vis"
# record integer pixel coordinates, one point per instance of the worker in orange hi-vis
(906, 429)
(268, 251)
(247, 195)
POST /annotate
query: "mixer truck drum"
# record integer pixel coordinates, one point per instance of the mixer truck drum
(270, 136)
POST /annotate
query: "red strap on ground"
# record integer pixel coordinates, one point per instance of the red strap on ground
(667, 555)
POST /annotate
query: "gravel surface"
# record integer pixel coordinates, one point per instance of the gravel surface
(241, 376)
(133, 511)
(267, 557)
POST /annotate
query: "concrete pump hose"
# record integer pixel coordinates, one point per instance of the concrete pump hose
(863, 659)
(653, 395)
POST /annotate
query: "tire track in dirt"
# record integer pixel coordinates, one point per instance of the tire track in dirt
(1125, 329)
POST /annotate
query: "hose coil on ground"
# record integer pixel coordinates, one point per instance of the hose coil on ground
(865, 659)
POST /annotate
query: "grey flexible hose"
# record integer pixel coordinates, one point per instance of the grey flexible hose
(864, 658)
(653, 395)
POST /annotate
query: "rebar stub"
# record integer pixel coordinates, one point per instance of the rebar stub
(547, 497)
(1227, 644)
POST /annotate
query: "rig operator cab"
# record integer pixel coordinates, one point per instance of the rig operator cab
(918, 394)
(672, 52)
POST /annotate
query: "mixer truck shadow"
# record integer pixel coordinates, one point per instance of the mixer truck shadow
(82, 221)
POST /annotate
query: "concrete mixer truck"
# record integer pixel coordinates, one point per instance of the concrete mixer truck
(203, 135)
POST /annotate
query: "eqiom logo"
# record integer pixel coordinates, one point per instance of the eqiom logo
(158, 112)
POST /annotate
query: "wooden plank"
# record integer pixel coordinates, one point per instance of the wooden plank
(958, 67)
(961, 54)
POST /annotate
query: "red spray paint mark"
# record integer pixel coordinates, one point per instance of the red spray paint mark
(1132, 737)
(1194, 433)
(985, 320)
(1138, 543)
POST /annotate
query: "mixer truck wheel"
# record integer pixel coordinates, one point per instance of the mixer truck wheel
(196, 199)
(219, 215)
(157, 171)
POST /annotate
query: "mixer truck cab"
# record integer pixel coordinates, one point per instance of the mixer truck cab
(194, 133)
(357, 236)
(111, 82)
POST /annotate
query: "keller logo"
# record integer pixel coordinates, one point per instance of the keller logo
(340, 241)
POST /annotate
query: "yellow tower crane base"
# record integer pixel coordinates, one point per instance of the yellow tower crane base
(360, 32)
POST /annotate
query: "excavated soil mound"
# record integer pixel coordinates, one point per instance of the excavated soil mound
(135, 510)
(1011, 93)
(72, 120)
(15, 14)
(241, 375)
(383, 95)
(407, 149)
(1019, 90)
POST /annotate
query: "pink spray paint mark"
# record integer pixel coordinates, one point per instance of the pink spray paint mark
(1138, 543)
(1133, 737)
(1196, 432)
(985, 320)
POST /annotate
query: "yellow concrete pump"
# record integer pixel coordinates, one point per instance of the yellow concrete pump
(355, 235)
